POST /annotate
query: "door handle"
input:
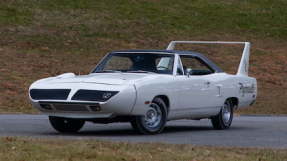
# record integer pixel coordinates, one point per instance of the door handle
(207, 83)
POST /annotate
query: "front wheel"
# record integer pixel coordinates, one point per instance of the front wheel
(154, 120)
(66, 125)
(224, 119)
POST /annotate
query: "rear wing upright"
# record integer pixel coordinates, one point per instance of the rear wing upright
(244, 62)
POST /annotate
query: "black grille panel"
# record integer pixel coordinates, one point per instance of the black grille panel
(49, 94)
(93, 95)
(70, 107)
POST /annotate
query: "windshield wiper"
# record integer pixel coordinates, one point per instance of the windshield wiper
(108, 71)
(139, 71)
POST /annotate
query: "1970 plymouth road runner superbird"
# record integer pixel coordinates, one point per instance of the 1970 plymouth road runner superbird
(147, 88)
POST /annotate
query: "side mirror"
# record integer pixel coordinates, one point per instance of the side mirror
(188, 72)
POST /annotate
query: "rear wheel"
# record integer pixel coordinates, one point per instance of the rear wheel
(154, 120)
(224, 119)
(66, 125)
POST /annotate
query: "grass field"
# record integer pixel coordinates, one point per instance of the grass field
(42, 38)
(15, 149)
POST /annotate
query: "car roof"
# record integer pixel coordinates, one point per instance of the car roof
(153, 50)
(180, 52)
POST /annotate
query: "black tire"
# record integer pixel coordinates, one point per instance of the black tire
(143, 124)
(224, 119)
(66, 125)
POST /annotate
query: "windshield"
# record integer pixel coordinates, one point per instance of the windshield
(136, 63)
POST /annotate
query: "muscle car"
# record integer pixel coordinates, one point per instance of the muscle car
(147, 88)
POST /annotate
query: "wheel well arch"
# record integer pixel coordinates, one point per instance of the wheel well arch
(234, 101)
(165, 100)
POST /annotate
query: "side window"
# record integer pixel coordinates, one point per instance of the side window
(195, 66)
(118, 63)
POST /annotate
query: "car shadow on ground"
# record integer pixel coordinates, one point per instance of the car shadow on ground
(129, 131)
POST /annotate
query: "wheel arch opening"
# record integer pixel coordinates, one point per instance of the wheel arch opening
(234, 101)
(165, 100)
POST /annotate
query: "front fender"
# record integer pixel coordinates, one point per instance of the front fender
(146, 93)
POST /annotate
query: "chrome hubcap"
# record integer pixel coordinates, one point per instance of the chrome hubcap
(226, 113)
(153, 116)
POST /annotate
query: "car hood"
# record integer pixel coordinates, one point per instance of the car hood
(99, 78)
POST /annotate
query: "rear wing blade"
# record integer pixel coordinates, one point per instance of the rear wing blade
(244, 62)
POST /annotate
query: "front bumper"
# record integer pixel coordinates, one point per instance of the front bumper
(120, 104)
(75, 109)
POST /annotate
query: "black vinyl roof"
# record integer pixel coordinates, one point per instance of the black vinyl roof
(180, 52)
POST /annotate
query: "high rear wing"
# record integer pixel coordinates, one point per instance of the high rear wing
(244, 62)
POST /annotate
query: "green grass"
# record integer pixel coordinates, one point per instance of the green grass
(263, 18)
(42, 38)
(16, 149)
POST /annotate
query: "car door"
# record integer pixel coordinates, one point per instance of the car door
(198, 93)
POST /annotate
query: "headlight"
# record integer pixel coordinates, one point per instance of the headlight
(94, 95)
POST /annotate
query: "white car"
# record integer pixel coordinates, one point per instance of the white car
(147, 88)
